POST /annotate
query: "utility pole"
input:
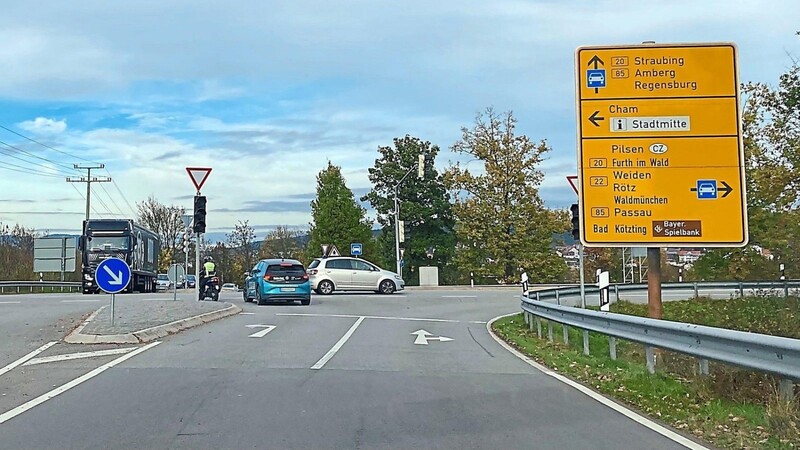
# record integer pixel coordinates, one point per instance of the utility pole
(420, 167)
(88, 179)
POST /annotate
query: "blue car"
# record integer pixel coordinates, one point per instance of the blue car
(277, 280)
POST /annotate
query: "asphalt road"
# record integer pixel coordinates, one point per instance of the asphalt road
(344, 372)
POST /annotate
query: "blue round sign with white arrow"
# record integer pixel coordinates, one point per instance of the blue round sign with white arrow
(112, 275)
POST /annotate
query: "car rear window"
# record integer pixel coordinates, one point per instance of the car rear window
(313, 264)
(286, 272)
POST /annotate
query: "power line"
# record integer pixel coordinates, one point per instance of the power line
(113, 202)
(103, 203)
(25, 170)
(47, 146)
(8, 153)
(84, 198)
(114, 182)
(38, 157)
(88, 180)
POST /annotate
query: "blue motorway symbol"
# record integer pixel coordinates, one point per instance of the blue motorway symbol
(356, 249)
(707, 189)
(112, 275)
(596, 78)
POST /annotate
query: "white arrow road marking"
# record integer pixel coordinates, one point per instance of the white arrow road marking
(423, 337)
(262, 333)
(116, 278)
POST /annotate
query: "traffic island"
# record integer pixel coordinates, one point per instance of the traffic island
(138, 321)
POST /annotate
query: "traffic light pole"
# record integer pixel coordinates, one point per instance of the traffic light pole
(197, 266)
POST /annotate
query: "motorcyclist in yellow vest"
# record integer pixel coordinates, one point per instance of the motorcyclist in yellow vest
(209, 270)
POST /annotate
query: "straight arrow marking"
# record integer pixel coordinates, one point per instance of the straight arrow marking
(262, 333)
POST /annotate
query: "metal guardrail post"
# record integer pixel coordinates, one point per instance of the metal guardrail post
(531, 319)
(650, 355)
(785, 288)
(741, 290)
(703, 366)
(616, 292)
(538, 327)
(550, 330)
(612, 347)
(565, 329)
(585, 342)
(696, 291)
(558, 298)
(786, 389)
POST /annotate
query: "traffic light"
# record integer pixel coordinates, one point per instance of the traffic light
(199, 214)
(186, 240)
(576, 221)
(401, 231)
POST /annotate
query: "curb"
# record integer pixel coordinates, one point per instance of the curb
(148, 334)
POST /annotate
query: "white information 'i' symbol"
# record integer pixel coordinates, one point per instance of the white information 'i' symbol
(619, 124)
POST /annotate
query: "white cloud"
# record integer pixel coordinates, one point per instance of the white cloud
(44, 125)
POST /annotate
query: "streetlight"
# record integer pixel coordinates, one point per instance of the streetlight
(420, 166)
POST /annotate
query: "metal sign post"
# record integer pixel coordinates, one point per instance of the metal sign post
(112, 275)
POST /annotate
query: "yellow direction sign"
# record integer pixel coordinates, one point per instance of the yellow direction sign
(660, 157)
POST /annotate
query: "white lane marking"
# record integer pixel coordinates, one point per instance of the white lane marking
(10, 303)
(338, 345)
(481, 322)
(27, 357)
(644, 421)
(352, 316)
(459, 296)
(262, 333)
(79, 355)
(423, 337)
(79, 301)
(8, 415)
(247, 314)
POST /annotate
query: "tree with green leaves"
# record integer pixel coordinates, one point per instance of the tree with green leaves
(282, 242)
(771, 136)
(336, 217)
(424, 206)
(502, 225)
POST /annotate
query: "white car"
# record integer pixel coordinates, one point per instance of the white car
(351, 274)
(230, 287)
(162, 282)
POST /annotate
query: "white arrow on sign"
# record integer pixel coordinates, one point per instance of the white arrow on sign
(423, 337)
(262, 333)
(116, 278)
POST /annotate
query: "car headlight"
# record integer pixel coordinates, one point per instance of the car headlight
(397, 277)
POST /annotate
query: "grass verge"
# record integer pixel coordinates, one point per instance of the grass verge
(731, 408)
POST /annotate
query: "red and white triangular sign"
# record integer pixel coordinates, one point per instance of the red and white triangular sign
(334, 251)
(199, 175)
(573, 181)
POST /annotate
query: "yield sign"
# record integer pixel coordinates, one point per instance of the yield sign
(199, 175)
(573, 181)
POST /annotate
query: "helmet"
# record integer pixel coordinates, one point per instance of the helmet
(208, 259)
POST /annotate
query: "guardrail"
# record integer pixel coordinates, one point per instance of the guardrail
(19, 287)
(771, 354)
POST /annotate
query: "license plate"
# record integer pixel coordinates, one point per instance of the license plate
(287, 289)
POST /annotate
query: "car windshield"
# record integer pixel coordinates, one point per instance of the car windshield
(163, 278)
(100, 243)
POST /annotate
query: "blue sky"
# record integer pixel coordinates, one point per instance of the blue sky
(267, 92)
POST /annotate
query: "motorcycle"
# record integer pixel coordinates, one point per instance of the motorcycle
(210, 289)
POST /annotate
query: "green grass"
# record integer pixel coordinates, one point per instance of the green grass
(713, 408)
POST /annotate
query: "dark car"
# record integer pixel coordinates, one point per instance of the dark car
(191, 281)
(277, 279)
